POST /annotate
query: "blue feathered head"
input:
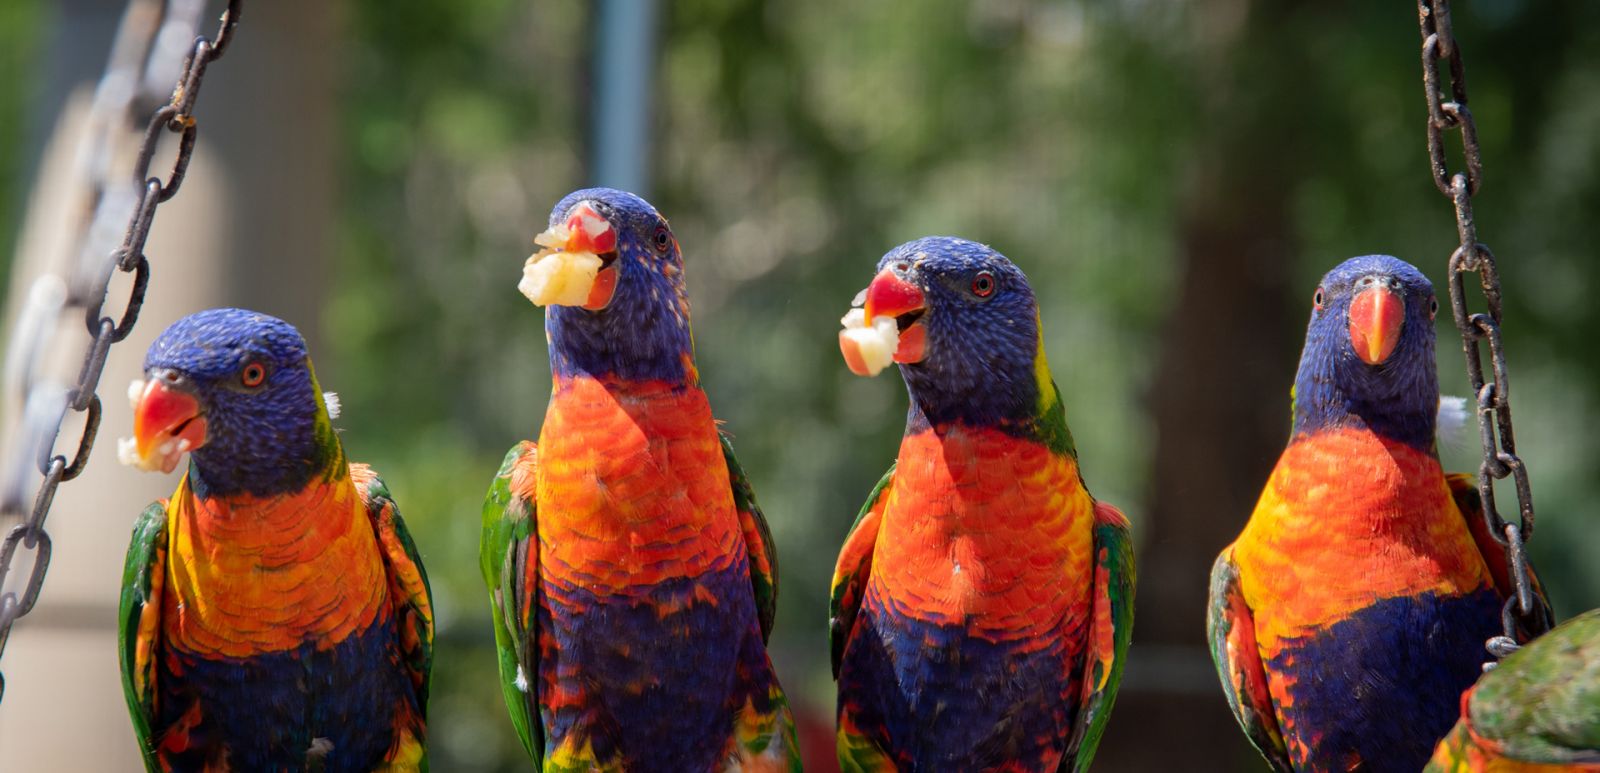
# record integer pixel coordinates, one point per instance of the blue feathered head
(235, 389)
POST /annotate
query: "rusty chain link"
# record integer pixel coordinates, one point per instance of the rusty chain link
(1448, 112)
(136, 65)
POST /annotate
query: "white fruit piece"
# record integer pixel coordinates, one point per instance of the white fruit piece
(559, 278)
(127, 449)
(128, 454)
(868, 349)
(553, 238)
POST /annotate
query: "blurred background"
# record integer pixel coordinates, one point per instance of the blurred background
(1173, 176)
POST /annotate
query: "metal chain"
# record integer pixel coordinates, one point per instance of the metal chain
(1448, 112)
(37, 334)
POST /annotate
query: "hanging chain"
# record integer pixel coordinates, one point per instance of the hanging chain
(1448, 112)
(36, 335)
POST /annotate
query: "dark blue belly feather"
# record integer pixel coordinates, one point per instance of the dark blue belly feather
(938, 698)
(1384, 685)
(660, 690)
(267, 710)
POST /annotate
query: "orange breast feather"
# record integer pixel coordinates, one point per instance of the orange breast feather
(988, 530)
(631, 486)
(1348, 518)
(248, 576)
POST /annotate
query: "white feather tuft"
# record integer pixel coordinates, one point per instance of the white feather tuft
(319, 750)
(332, 400)
(522, 679)
(1452, 421)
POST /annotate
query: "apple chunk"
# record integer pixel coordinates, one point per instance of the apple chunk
(868, 349)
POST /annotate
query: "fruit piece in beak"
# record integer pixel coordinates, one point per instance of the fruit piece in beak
(867, 349)
(167, 422)
(577, 265)
(1376, 315)
(889, 295)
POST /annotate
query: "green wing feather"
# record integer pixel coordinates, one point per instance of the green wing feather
(138, 633)
(1231, 630)
(1542, 703)
(851, 573)
(757, 540)
(1114, 578)
(408, 583)
(507, 553)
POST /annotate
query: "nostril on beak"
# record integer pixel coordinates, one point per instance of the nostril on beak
(168, 376)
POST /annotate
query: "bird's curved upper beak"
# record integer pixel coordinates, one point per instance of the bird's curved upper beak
(588, 231)
(1376, 316)
(891, 295)
(167, 420)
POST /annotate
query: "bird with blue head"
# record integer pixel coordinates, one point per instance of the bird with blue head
(982, 604)
(1352, 610)
(274, 558)
(631, 573)
(1368, 357)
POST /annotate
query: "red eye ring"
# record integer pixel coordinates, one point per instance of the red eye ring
(983, 284)
(1433, 307)
(1316, 299)
(253, 375)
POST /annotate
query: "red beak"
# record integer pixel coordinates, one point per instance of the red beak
(587, 231)
(891, 296)
(1376, 315)
(166, 423)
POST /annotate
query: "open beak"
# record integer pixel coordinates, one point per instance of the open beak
(167, 421)
(1376, 315)
(890, 295)
(588, 231)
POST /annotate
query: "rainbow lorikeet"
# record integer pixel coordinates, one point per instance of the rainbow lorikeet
(1539, 710)
(982, 604)
(275, 614)
(1352, 610)
(632, 576)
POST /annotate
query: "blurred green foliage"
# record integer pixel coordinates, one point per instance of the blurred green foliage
(798, 141)
(19, 25)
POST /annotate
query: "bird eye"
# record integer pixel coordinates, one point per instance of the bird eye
(253, 374)
(1433, 307)
(663, 239)
(983, 284)
(1316, 299)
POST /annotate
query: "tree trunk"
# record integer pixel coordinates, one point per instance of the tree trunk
(1220, 398)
